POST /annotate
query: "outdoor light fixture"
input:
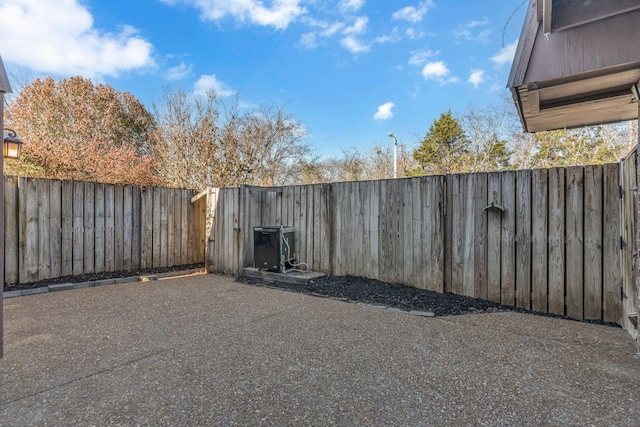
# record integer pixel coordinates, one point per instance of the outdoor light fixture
(395, 154)
(12, 144)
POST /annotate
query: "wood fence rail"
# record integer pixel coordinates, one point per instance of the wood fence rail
(556, 247)
(61, 228)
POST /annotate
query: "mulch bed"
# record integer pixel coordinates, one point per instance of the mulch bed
(100, 276)
(375, 292)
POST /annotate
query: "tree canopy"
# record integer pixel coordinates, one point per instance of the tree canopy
(76, 129)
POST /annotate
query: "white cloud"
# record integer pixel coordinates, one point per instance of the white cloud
(506, 54)
(413, 34)
(211, 82)
(351, 5)
(420, 57)
(438, 71)
(279, 14)
(58, 37)
(393, 37)
(179, 72)
(466, 31)
(412, 13)
(358, 27)
(353, 45)
(384, 111)
(476, 77)
(307, 41)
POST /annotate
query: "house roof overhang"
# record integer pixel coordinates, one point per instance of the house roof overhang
(5, 87)
(577, 64)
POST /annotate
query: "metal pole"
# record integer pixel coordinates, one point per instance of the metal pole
(395, 154)
(395, 157)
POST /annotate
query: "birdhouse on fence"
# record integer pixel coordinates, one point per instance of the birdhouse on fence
(577, 64)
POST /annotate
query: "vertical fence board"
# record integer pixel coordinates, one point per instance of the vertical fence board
(494, 233)
(457, 236)
(127, 225)
(22, 230)
(317, 227)
(523, 240)
(612, 277)
(99, 227)
(468, 238)
(136, 226)
(44, 231)
(67, 228)
(480, 238)
(593, 243)
(118, 226)
(78, 227)
(156, 234)
(171, 233)
(508, 235)
(89, 228)
(630, 292)
(146, 218)
(11, 242)
(448, 235)
(310, 228)
(574, 237)
(32, 240)
(539, 262)
(55, 224)
(326, 251)
(184, 226)
(109, 228)
(556, 241)
(164, 222)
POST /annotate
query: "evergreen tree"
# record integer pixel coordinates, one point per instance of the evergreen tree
(444, 149)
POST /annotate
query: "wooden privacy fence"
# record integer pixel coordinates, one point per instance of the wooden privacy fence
(562, 244)
(60, 228)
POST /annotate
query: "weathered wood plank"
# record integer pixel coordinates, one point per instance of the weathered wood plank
(317, 227)
(146, 219)
(556, 254)
(78, 228)
(523, 242)
(539, 261)
(67, 228)
(109, 228)
(336, 229)
(374, 229)
(127, 225)
(448, 235)
(164, 227)
(156, 229)
(629, 269)
(185, 205)
(118, 226)
(593, 243)
(171, 231)
(611, 274)
(469, 237)
(480, 240)
(100, 230)
(508, 235)
(309, 228)
(574, 237)
(494, 239)
(326, 245)
(32, 239)
(89, 228)
(419, 264)
(11, 232)
(137, 226)
(44, 231)
(458, 210)
(22, 229)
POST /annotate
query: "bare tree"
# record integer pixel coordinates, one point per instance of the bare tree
(205, 141)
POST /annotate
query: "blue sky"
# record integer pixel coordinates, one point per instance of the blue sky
(349, 70)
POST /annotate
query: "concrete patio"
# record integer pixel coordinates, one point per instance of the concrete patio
(204, 350)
